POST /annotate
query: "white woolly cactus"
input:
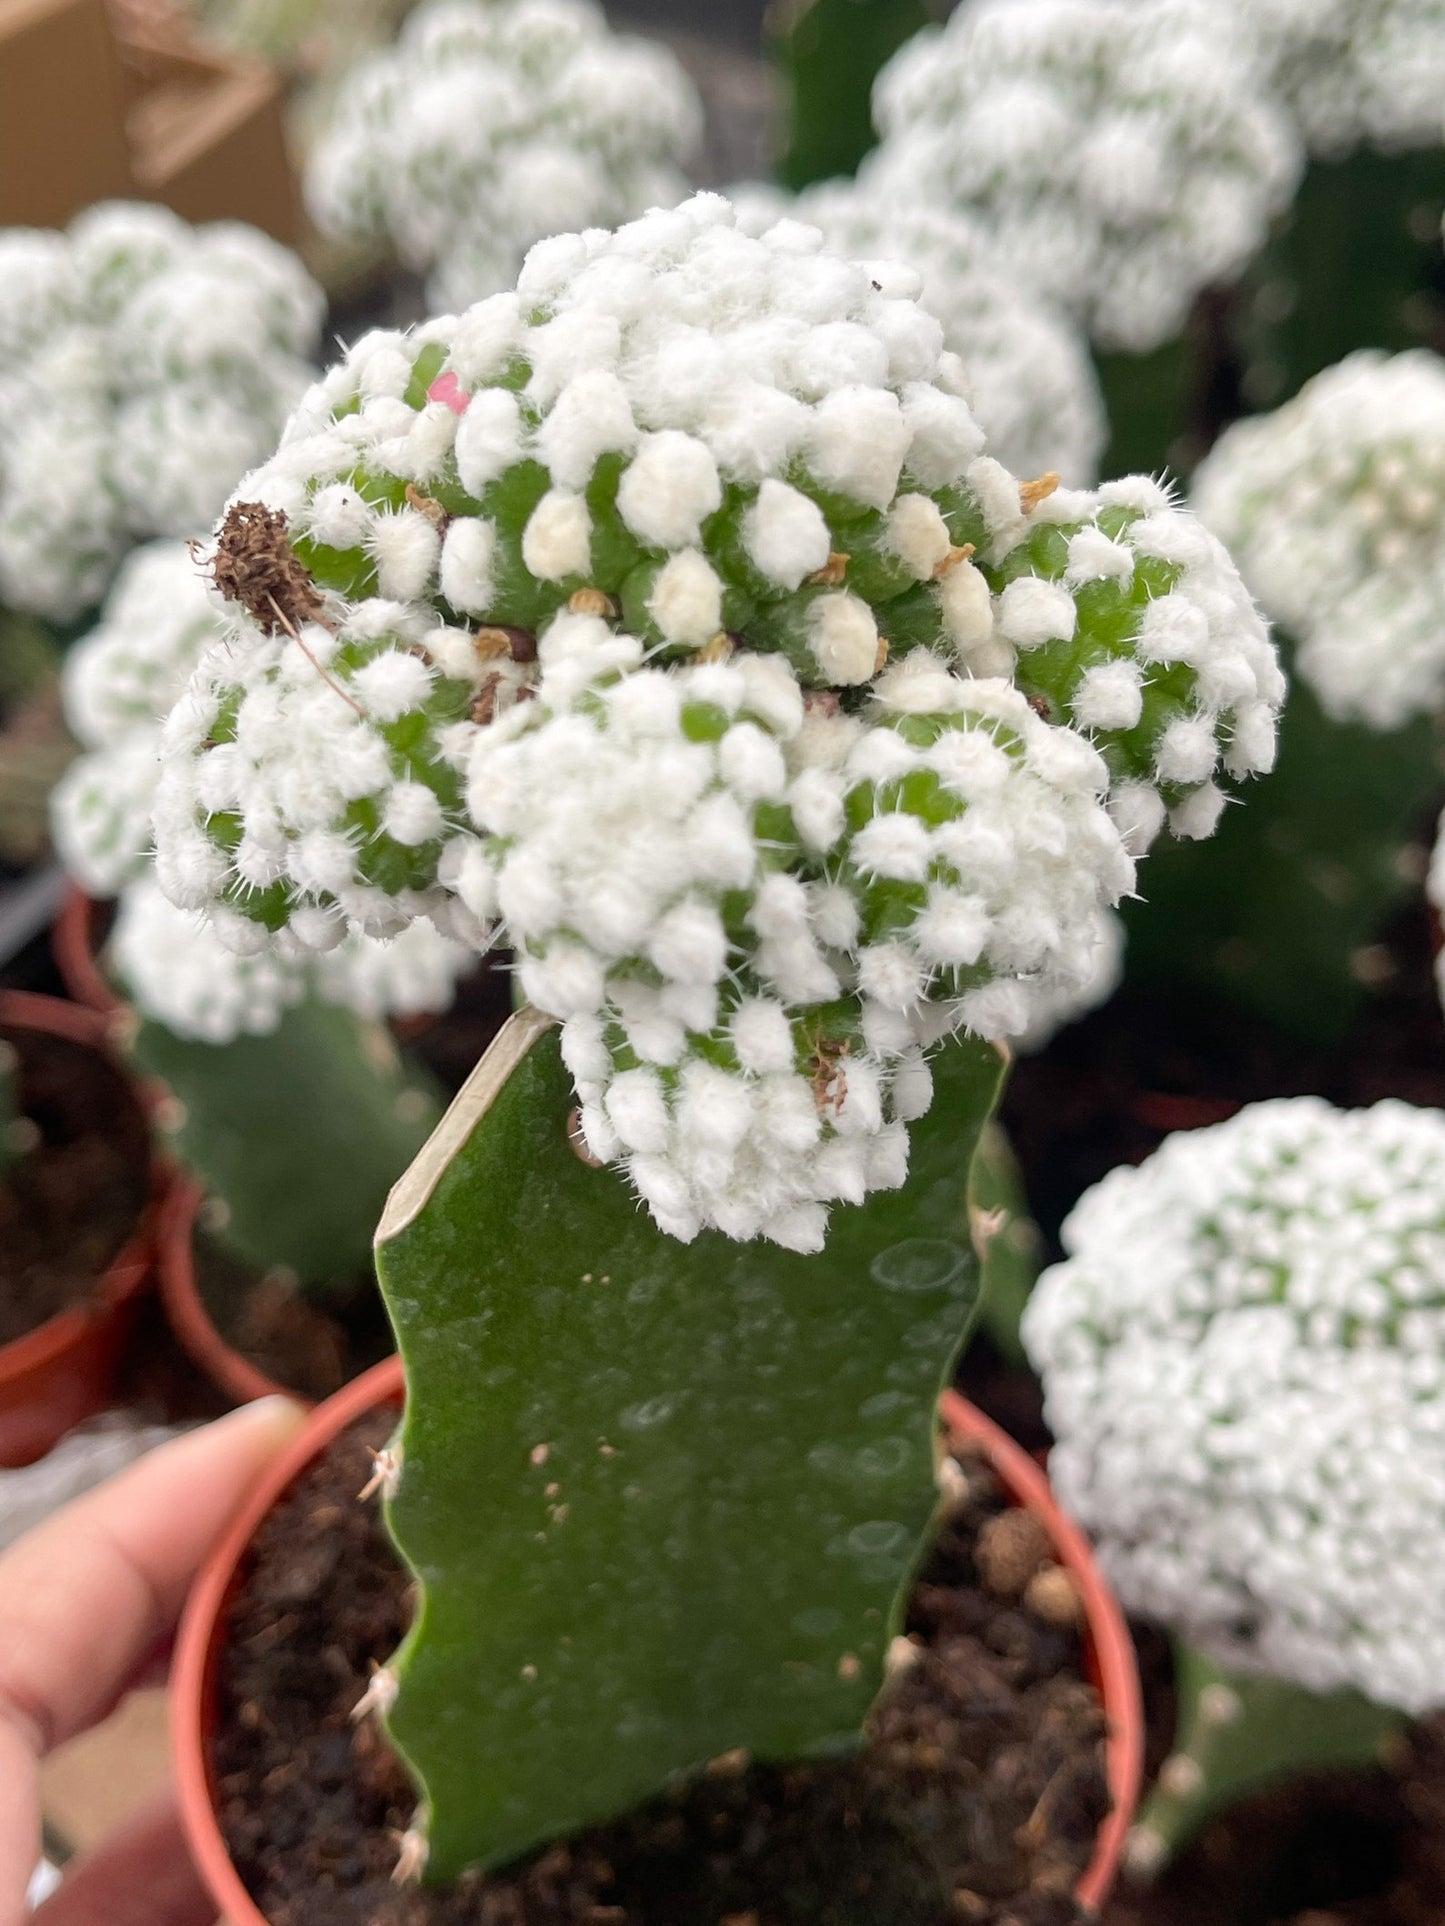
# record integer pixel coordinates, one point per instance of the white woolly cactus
(1334, 508)
(1124, 153)
(668, 619)
(144, 366)
(710, 438)
(752, 917)
(493, 124)
(178, 972)
(119, 681)
(1030, 379)
(1242, 1359)
(1356, 72)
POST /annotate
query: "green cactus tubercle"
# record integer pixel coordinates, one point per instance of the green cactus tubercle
(663, 1502)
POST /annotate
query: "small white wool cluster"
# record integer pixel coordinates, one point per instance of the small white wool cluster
(753, 914)
(119, 682)
(144, 366)
(178, 972)
(1334, 508)
(1030, 378)
(1124, 153)
(1103, 949)
(1244, 1364)
(1356, 72)
(493, 124)
(1127, 618)
(334, 762)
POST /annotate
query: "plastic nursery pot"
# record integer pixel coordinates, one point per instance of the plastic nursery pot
(73, 945)
(56, 1376)
(191, 1323)
(195, 1671)
(1108, 1648)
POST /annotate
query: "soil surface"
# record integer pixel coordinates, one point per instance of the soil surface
(977, 1798)
(307, 1348)
(1328, 1849)
(67, 1207)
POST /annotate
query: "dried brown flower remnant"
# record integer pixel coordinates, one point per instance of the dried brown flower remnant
(254, 564)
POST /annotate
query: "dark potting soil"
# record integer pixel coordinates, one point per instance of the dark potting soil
(978, 1797)
(68, 1207)
(309, 1348)
(1326, 1849)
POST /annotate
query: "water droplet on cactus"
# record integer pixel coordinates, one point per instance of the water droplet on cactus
(919, 1265)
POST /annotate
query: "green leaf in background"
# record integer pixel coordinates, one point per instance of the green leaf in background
(1277, 912)
(663, 1501)
(828, 53)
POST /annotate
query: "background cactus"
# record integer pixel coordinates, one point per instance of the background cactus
(1241, 1365)
(663, 1503)
(1333, 508)
(489, 126)
(18, 1133)
(144, 366)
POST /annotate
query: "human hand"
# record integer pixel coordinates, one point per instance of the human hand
(87, 1602)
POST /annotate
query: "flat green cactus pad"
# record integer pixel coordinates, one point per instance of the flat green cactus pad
(663, 1500)
(300, 1133)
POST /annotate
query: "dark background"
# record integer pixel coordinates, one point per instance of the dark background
(739, 22)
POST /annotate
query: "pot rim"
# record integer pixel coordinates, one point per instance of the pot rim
(72, 944)
(128, 1269)
(198, 1643)
(186, 1313)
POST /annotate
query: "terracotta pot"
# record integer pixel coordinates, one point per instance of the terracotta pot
(62, 1373)
(185, 1309)
(199, 1644)
(73, 945)
(1108, 1648)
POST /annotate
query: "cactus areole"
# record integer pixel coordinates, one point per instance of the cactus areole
(668, 620)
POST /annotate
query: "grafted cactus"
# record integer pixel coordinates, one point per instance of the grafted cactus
(494, 123)
(144, 366)
(667, 1503)
(1334, 507)
(669, 621)
(1241, 1361)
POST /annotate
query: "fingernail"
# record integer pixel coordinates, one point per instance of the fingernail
(274, 1413)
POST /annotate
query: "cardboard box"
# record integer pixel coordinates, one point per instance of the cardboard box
(62, 111)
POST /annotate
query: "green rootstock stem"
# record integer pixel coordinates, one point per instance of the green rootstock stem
(828, 53)
(1237, 1734)
(663, 1501)
(1278, 911)
(1012, 1247)
(300, 1134)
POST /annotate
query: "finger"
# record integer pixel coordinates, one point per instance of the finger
(88, 1596)
(141, 1876)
